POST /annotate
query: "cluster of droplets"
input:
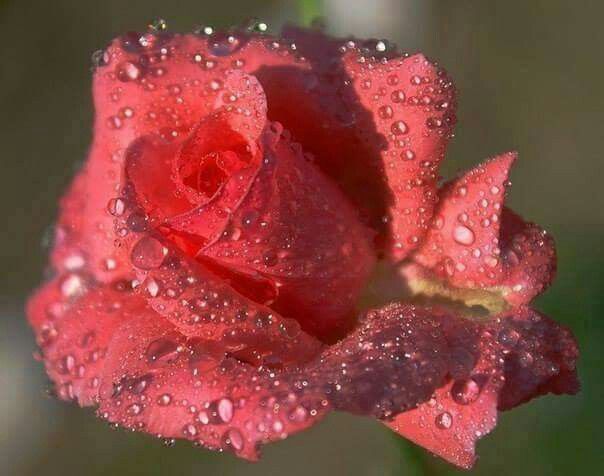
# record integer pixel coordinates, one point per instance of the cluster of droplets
(253, 410)
(473, 227)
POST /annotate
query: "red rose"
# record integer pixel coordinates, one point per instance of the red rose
(258, 238)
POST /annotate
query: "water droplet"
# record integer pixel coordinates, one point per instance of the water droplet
(128, 71)
(164, 400)
(399, 127)
(189, 430)
(162, 350)
(148, 253)
(385, 112)
(234, 438)
(116, 206)
(397, 96)
(444, 421)
(158, 24)
(225, 409)
(508, 337)
(270, 259)
(134, 409)
(72, 285)
(380, 46)
(463, 235)
(298, 414)
(465, 391)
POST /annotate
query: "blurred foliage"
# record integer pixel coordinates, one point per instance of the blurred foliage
(529, 77)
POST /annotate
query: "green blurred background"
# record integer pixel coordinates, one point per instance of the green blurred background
(530, 78)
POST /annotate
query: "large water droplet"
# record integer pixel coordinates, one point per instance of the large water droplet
(148, 253)
(225, 409)
(161, 350)
(465, 391)
(444, 421)
(234, 438)
(463, 235)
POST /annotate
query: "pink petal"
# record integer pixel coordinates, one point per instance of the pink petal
(521, 355)
(158, 381)
(475, 242)
(220, 308)
(540, 357)
(377, 123)
(529, 256)
(73, 328)
(296, 230)
(463, 244)
(161, 382)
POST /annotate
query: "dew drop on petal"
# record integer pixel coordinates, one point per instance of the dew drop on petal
(225, 409)
(399, 128)
(463, 235)
(465, 391)
(161, 350)
(444, 421)
(148, 253)
(235, 439)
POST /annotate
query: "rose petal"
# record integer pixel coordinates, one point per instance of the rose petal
(529, 257)
(295, 229)
(463, 410)
(475, 242)
(158, 381)
(76, 328)
(540, 357)
(374, 124)
(521, 355)
(391, 362)
(145, 84)
(463, 244)
(201, 303)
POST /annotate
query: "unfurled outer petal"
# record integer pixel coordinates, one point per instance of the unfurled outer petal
(162, 383)
(201, 303)
(74, 320)
(375, 122)
(476, 243)
(519, 356)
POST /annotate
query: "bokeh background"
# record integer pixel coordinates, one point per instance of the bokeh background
(530, 78)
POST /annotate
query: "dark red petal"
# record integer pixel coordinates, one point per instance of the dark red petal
(161, 382)
(201, 303)
(540, 357)
(462, 411)
(391, 362)
(73, 328)
(158, 381)
(521, 355)
(529, 257)
(374, 124)
(475, 242)
(298, 232)
(463, 244)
